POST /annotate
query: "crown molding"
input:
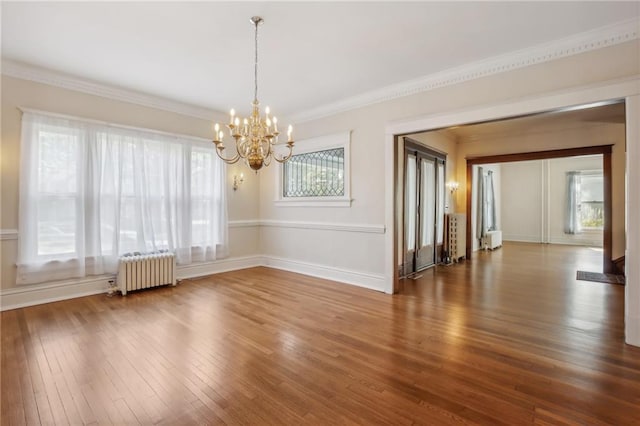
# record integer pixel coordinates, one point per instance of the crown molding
(580, 43)
(66, 81)
(598, 38)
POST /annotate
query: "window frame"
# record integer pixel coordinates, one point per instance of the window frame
(35, 266)
(321, 143)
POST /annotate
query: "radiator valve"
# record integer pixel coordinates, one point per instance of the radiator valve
(112, 289)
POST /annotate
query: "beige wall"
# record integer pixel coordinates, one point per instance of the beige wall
(362, 252)
(368, 125)
(16, 93)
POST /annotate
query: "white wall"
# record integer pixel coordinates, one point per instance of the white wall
(522, 201)
(533, 194)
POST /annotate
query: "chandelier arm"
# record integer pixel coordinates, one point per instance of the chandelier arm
(284, 159)
(227, 160)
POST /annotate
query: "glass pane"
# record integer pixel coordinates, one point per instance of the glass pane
(56, 225)
(440, 211)
(58, 154)
(410, 203)
(427, 202)
(202, 196)
(315, 174)
(591, 203)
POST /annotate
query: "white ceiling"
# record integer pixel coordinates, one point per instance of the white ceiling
(311, 54)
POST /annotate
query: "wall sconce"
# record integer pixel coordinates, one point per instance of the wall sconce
(453, 186)
(237, 181)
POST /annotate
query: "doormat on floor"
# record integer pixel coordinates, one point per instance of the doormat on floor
(600, 278)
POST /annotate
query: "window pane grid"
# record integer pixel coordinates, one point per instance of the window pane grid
(315, 174)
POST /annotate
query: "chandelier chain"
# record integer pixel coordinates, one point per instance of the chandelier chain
(255, 71)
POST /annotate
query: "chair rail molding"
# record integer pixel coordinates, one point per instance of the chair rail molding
(8, 234)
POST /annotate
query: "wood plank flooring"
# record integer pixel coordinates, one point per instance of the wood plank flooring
(510, 338)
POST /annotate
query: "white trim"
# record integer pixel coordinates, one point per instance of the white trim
(521, 238)
(590, 242)
(628, 88)
(250, 223)
(632, 221)
(38, 294)
(57, 79)
(579, 43)
(223, 265)
(325, 226)
(594, 93)
(8, 234)
(360, 279)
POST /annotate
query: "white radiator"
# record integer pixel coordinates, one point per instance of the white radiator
(492, 240)
(146, 271)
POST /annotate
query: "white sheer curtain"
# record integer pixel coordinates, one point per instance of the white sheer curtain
(572, 203)
(91, 192)
(486, 204)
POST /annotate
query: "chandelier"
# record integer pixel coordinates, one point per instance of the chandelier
(256, 136)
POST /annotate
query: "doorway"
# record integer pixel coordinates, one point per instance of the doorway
(424, 207)
(604, 150)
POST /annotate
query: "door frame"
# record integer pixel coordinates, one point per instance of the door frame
(607, 261)
(602, 91)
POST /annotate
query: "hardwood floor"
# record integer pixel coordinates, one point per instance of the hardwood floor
(510, 338)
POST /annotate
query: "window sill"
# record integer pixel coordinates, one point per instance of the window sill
(313, 202)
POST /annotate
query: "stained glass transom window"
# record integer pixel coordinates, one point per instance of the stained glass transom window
(315, 174)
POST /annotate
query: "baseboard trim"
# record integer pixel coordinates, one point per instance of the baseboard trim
(38, 294)
(223, 265)
(521, 238)
(360, 279)
(577, 242)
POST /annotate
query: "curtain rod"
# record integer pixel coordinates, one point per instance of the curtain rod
(106, 123)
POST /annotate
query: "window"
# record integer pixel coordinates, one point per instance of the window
(584, 201)
(591, 200)
(317, 173)
(91, 192)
